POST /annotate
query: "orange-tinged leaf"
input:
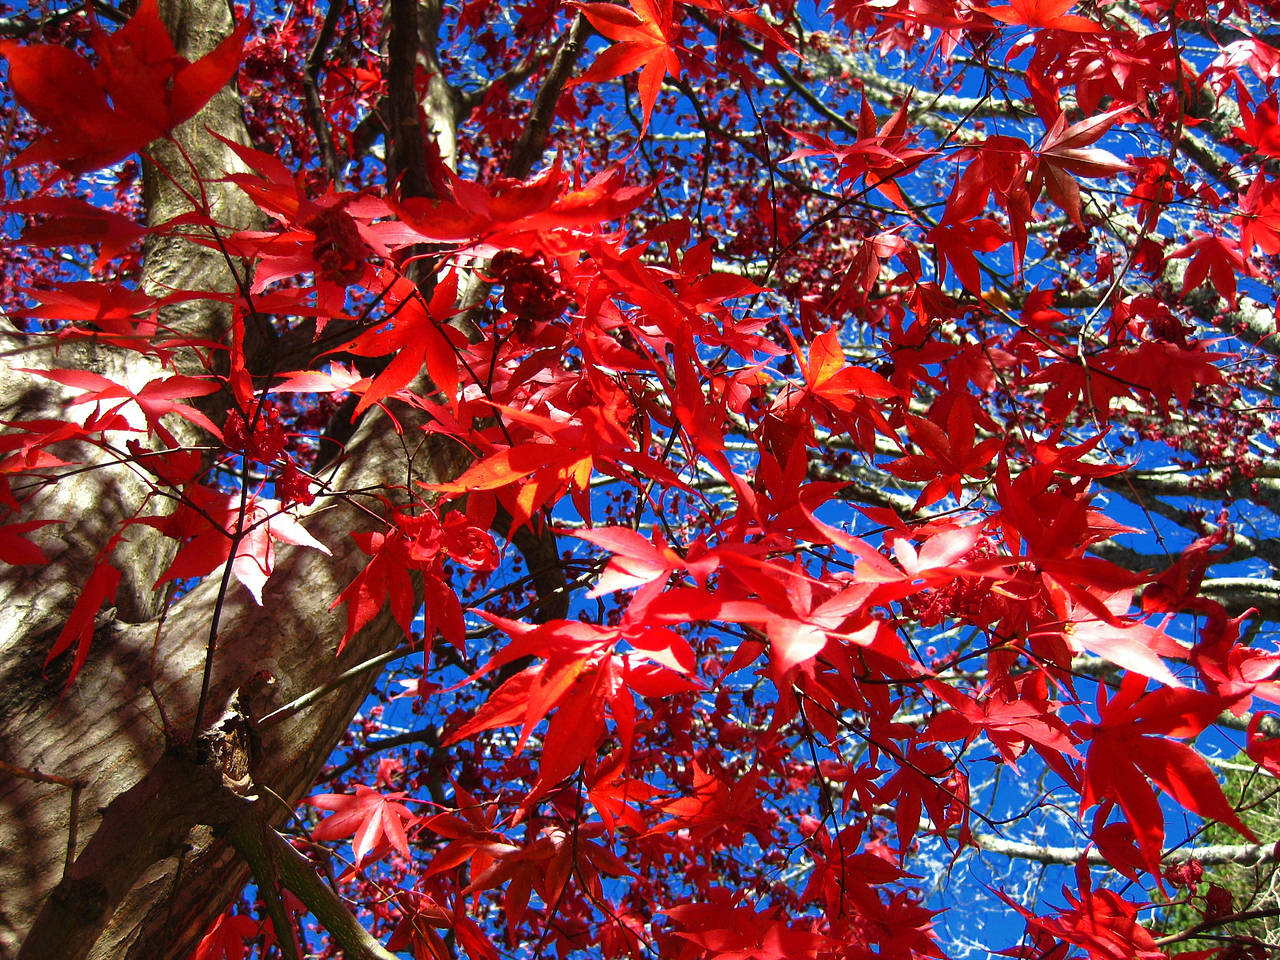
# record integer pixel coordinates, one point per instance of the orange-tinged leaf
(505, 707)
(642, 41)
(549, 686)
(1051, 14)
(576, 729)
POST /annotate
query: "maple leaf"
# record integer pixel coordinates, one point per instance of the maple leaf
(949, 455)
(155, 400)
(419, 542)
(537, 472)
(1011, 719)
(226, 936)
(642, 41)
(921, 782)
(956, 243)
(333, 237)
(418, 337)
(1259, 219)
(377, 821)
(1134, 740)
(1231, 670)
(17, 549)
(140, 90)
(125, 315)
(545, 864)
(997, 164)
(513, 214)
(730, 932)
(265, 522)
(1065, 152)
(419, 913)
(1133, 645)
(98, 589)
(1047, 14)
(336, 378)
(717, 806)
(832, 379)
(1178, 587)
(750, 19)
(613, 794)
(1262, 749)
(637, 561)
(799, 631)
(209, 523)
(73, 221)
(1261, 128)
(1213, 257)
(878, 155)
(27, 440)
(1101, 922)
(580, 676)
(1166, 370)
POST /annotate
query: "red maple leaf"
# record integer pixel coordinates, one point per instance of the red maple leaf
(17, 549)
(1261, 128)
(1262, 749)
(511, 213)
(716, 803)
(879, 155)
(139, 91)
(1012, 719)
(420, 542)
(637, 561)
(831, 378)
(956, 243)
(1101, 922)
(156, 399)
(225, 938)
(72, 221)
(642, 41)
(377, 821)
(1065, 153)
(1049, 14)
(1216, 258)
(210, 522)
(950, 452)
(100, 588)
(731, 932)
(1139, 736)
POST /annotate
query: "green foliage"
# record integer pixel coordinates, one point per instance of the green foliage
(1234, 906)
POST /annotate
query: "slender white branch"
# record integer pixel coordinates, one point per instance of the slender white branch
(1247, 854)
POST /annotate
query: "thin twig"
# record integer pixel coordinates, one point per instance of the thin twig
(311, 696)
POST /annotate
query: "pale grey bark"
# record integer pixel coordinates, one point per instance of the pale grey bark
(1213, 855)
(144, 676)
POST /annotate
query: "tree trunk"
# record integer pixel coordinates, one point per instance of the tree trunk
(124, 863)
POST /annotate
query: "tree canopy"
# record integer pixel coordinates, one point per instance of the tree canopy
(671, 478)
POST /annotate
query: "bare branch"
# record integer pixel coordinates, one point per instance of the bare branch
(1243, 853)
(310, 83)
